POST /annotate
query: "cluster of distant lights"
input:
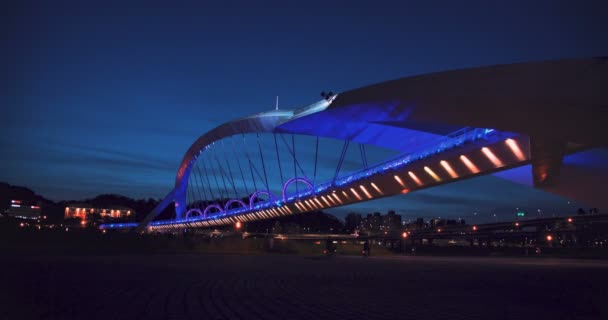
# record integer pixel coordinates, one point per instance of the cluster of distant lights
(273, 208)
(17, 204)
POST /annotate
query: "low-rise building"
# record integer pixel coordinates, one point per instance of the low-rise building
(85, 211)
(21, 210)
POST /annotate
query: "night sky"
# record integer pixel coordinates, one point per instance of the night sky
(107, 98)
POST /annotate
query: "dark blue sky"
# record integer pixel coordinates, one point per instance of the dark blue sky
(106, 97)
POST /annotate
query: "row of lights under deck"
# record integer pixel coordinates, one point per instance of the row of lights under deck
(468, 163)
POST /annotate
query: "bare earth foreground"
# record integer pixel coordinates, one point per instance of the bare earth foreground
(296, 287)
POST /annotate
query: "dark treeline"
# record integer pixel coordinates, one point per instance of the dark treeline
(315, 221)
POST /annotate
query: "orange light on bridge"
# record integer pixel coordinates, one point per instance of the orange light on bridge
(309, 206)
(362, 187)
(313, 204)
(432, 173)
(448, 168)
(318, 202)
(345, 195)
(355, 193)
(472, 167)
(515, 149)
(376, 188)
(238, 225)
(491, 156)
(415, 178)
(404, 191)
(398, 179)
(325, 200)
(336, 197)
(298, 206)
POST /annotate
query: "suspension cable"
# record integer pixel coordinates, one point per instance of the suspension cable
(255, 187)
(263, 165)
(236, 195)
(342, 155)
(292, 154)
(240, 168)
(316, 157)
(276, 147)
(201, 181)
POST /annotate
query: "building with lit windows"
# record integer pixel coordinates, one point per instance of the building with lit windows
(84, 212)
(20, 210)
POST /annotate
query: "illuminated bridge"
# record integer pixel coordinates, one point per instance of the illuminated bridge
(390, 139)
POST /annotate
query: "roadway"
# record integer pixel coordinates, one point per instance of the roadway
(297, 287)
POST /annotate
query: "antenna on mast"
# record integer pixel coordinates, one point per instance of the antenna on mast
(277, 105)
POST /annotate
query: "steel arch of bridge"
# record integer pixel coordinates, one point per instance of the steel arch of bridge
(266, 122)
(437, 102)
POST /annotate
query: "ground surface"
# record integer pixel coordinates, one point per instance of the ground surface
(296, 287)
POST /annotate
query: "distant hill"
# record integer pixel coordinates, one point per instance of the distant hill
(9, 192)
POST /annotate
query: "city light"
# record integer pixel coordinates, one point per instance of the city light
(549, 237)
(470, 165)
(474, 228)
(432, 173)
(515, 149)
(238, 225)
(448, 168)
(415, 178)
(569, 220)
(490, 155)
(517, 224)
(404, 235)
